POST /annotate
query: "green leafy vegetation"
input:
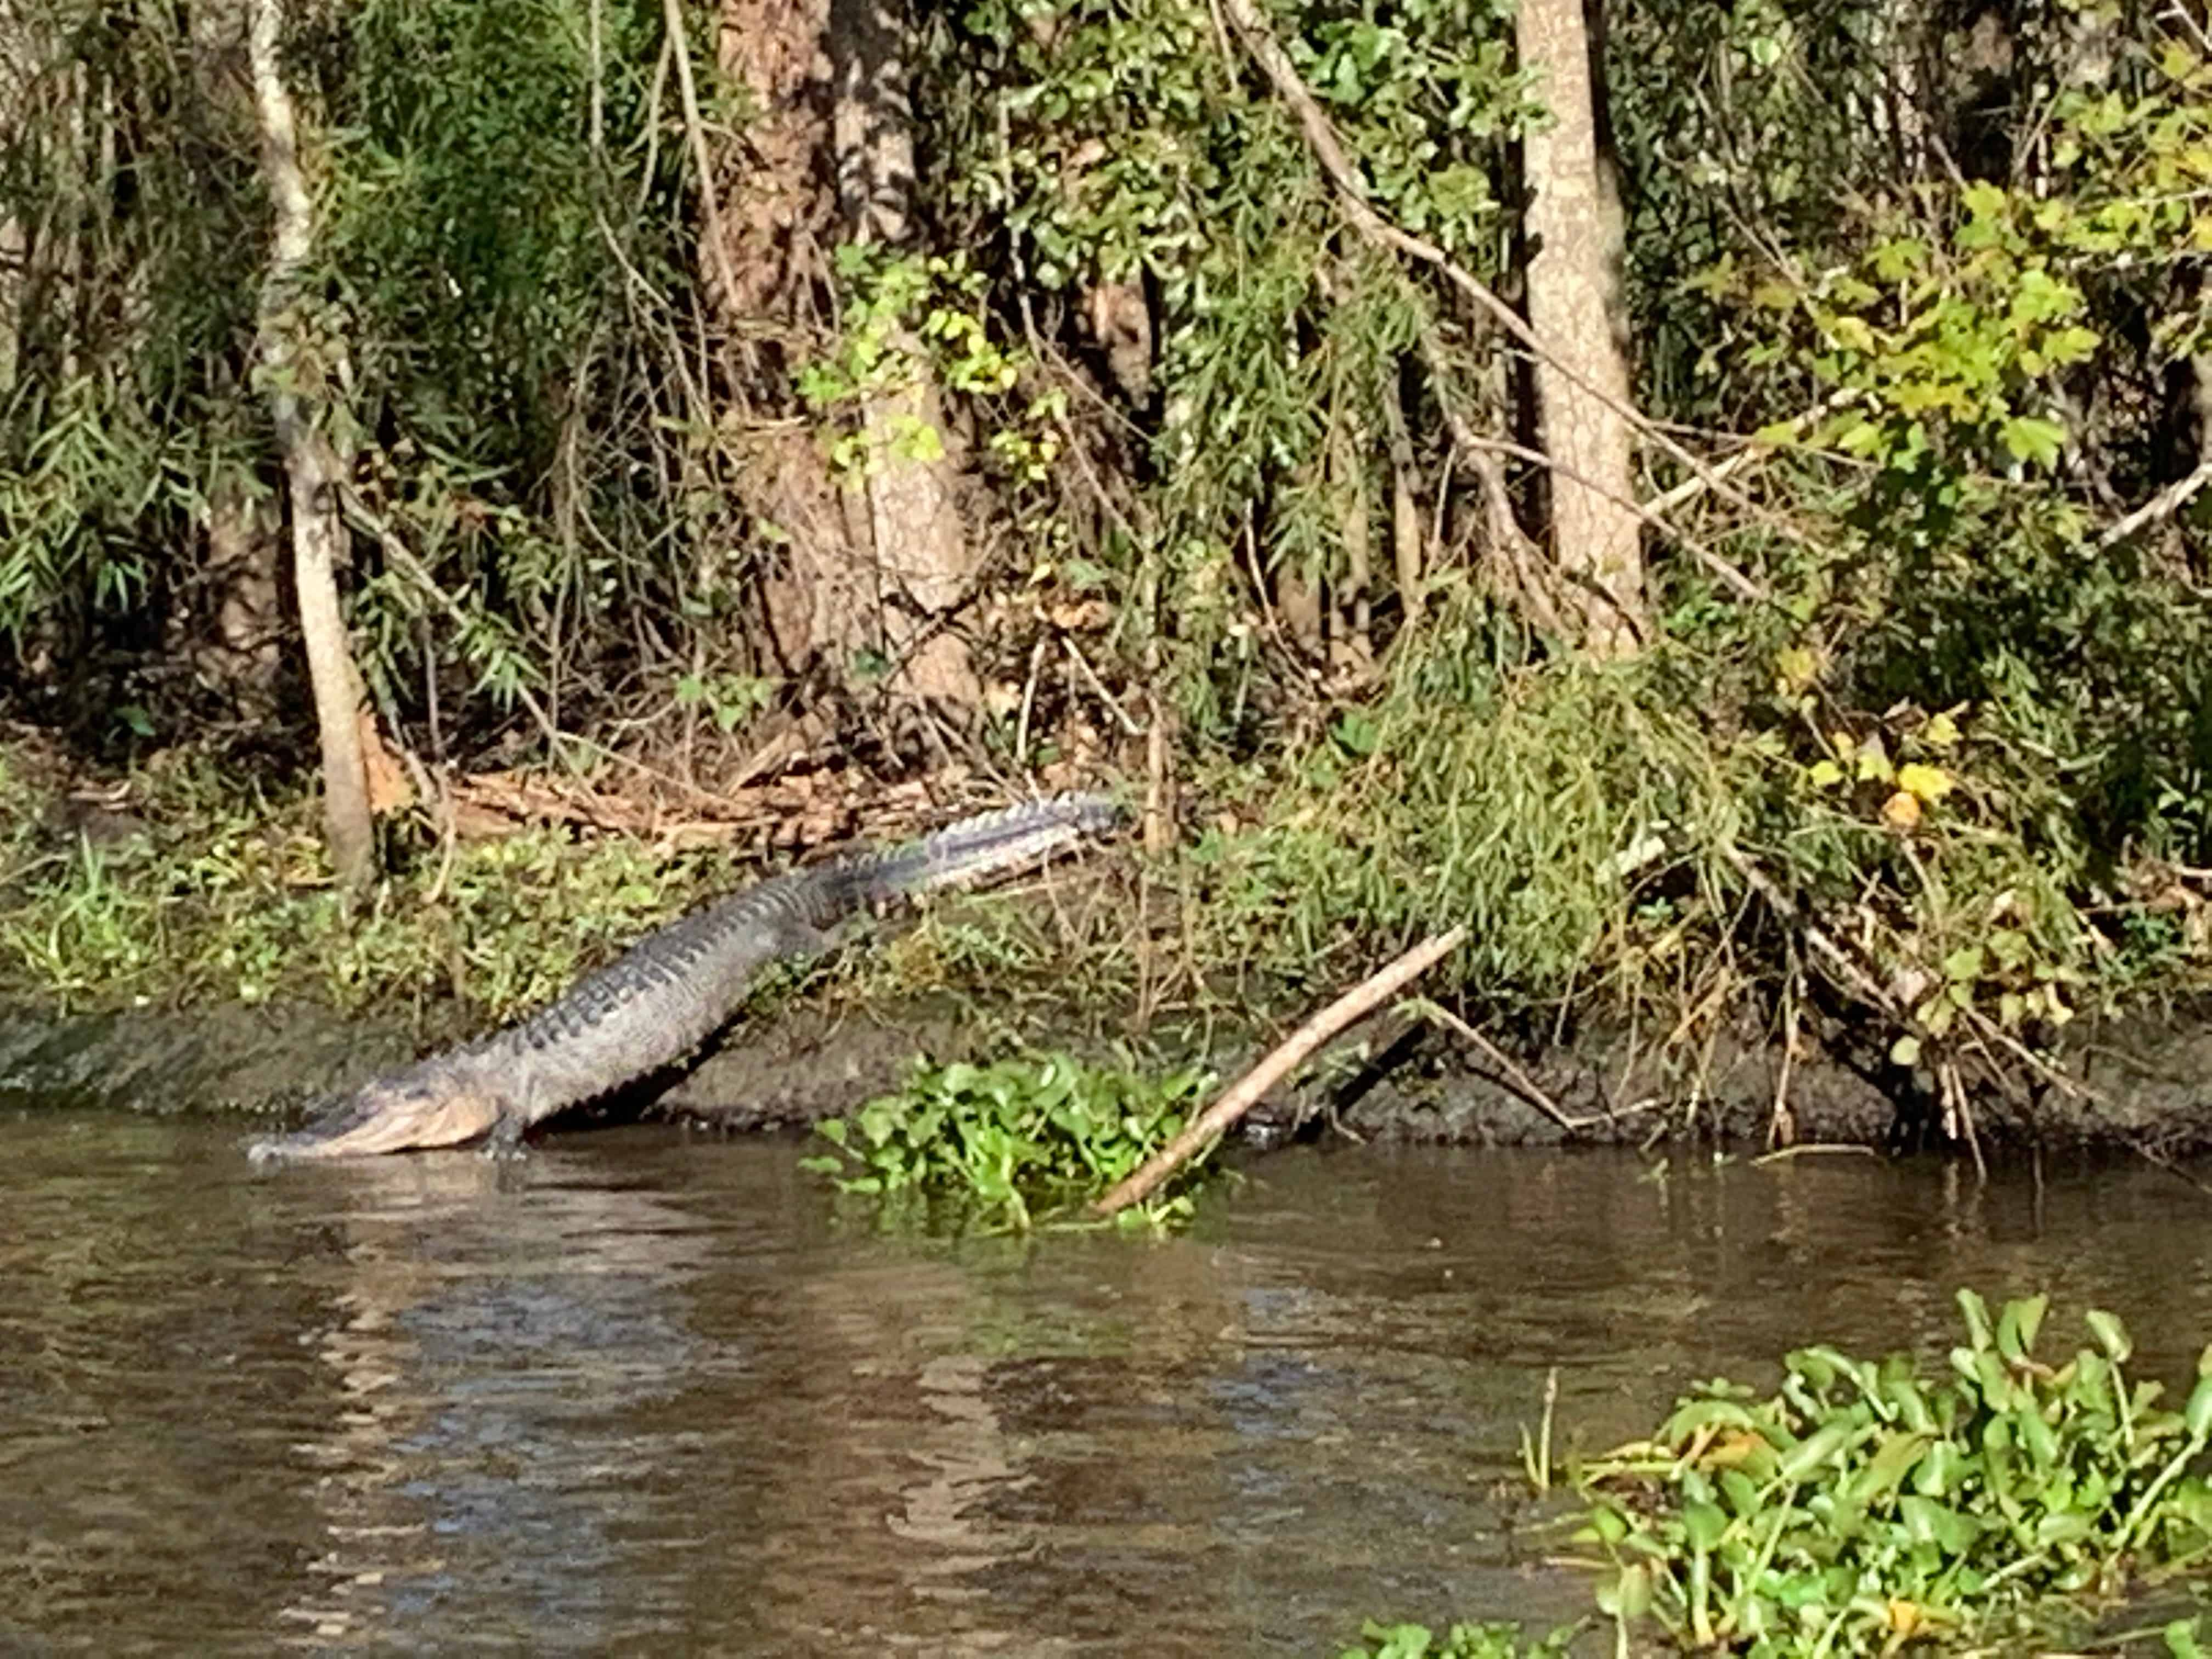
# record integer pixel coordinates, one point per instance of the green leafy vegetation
(1862, 1504)
(1015, 1144)
(204, 894)
(1865, 1505)
(1497, 1641)
(1918, 747)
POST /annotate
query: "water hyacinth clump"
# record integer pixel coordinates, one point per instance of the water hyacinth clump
(1001, 1147)
(1862, 1505)
(1476, 1641)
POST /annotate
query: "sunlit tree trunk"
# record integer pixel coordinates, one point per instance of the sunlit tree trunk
(1582, 386)
(17, 55)
(922, 552)
(870, 568)
(312, 472)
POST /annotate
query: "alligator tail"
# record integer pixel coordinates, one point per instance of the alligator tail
(968, 851)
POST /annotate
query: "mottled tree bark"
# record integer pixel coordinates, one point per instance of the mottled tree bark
(1582, 385)
(923, 558)
(312, 471)
(869, 568)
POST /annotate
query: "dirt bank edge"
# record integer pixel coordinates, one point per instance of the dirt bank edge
(2144, 1083)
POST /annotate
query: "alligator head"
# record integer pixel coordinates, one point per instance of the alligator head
(428, 1108)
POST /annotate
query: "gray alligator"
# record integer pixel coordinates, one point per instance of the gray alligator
(654, 1004)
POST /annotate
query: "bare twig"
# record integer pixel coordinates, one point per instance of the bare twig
(1247, 1092)
(1958, 1113)
(1328, 152)
(1524, 1085)
(1752, 455)
(2164, 505)
(398, 551)
(1845, 962)
(1743, 584)
(1508, 541)
(1815, 1148)
(710, 209)
(1028, 702)
(1782, 1122)
(1090, 675)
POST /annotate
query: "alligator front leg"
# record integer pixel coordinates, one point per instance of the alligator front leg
(504, 1143)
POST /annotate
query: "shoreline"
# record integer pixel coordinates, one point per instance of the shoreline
(2142, 1083)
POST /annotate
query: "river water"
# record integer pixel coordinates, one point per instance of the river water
(647, 1392)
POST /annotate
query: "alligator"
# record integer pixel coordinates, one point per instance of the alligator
(651, 1006)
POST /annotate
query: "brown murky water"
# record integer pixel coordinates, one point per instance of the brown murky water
(644, 1394)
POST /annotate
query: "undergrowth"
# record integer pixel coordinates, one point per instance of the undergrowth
(211, 889)
(215, 892)
(1720, 831)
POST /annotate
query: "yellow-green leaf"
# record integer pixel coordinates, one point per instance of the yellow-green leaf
(1930, 783)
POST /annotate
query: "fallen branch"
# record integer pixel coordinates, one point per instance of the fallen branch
(1247, 1092)
(1524, 1085)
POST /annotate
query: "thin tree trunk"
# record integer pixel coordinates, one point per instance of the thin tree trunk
(18, 49)
(312, 470)
(1573, 292)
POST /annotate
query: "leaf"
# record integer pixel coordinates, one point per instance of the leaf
(1817, 1448)
(1905, 1051)
(2028, 439)
(1965, 965)
(1901, 812)
(1628, 1598)
(1941, 731)
(1853, 334)
(2111, 1335)
(1927, 783)
(1873, 755)
(2018, 1323)
(2197, 1415)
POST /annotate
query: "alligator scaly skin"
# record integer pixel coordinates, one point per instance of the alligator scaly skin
(651, 1006)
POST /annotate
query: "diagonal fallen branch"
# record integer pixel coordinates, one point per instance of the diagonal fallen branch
(1246, 1093)
(1522, 1084)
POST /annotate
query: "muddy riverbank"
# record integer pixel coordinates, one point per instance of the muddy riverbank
(2142, 1083)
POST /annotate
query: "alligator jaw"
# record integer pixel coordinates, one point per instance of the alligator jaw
(386, 1117)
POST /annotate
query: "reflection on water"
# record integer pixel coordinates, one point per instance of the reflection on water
(643, 1393)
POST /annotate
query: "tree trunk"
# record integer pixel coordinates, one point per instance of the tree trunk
(312, 470)
(869, 569)
(1581, 386)
(923, 556)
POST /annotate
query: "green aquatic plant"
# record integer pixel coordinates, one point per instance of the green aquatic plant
(1862, 1505)
(1006, 1145)
(1485, 1640)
